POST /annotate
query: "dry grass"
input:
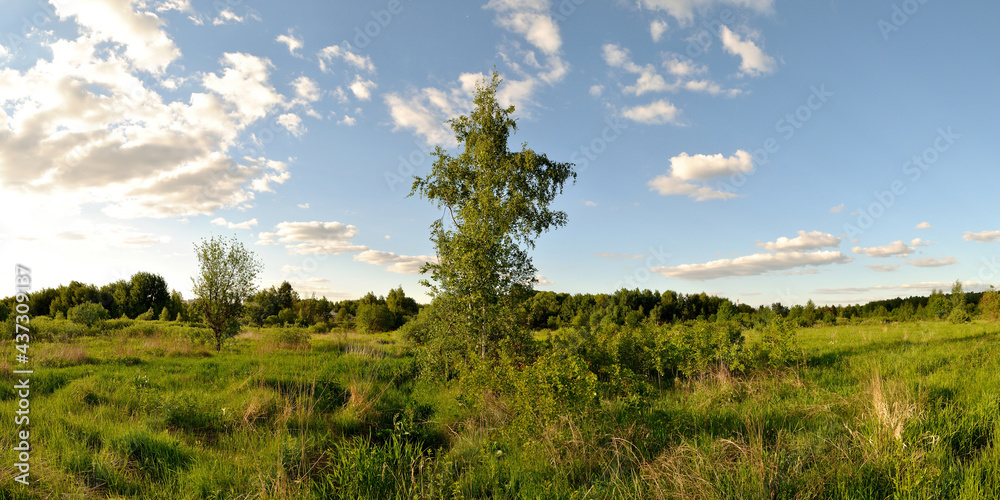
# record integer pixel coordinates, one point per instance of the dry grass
(62, 354)
(681, 472)
(892, 405)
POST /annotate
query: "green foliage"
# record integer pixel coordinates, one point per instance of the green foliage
(88, 314)
(225, 279)
(146, 316)
(374, 318)
(989, 305)
(496, 204)
(959, 315)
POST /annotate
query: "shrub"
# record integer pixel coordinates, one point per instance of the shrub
(88, 314)
(374, 318)
(959, 315)
(321, 327)
(147, 316)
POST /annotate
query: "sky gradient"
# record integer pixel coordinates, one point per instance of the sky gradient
(758, 150)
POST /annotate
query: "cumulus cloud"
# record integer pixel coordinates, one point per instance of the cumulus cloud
(227, 16)
(314, 237)
(530, 19)
(343, 52)
(541, 280)
(292, 123)
(896, 248)
(982, 236)
(753, 60)
(86, 129)
(657, 28)
(362, 88)
(147, 46)
(752, 265)
(684, 10)
(649, 80)
(932, 262)
(244, 85)
(290, 41)
(655, 113)
(837, 209)
(924, 225)
(221, 221)
(688, 175)
(395, 263)
(883, 268)
(813, 240)
(425, 112)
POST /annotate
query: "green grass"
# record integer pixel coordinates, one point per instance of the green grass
(907, 410)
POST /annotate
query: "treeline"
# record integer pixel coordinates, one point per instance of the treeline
(145, 296)
(632, 307)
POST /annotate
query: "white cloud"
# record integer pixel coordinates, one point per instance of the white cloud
(928, 286)
(306, 89)
(752, 265)
(425, 112)
(146, 45)
(244, 85)
(394, 263)
(308, 238)
(655, 113)
(924, 225)
(303, 205)
(688, 175)
(982, 236)
(753, 60)
(362, 88)
(618, 256)
(703, 167)
(590, 203)
(684, 10)
(896, 248)
(101, 235)
(293, 43)
(596, 90)
(883, 268)
(543, 281)
(657, 28)
(220, 221)
(804, 241)
(348, 121)
(343, 52)
(530, 19)
(293, 123)
(678, 65)
(837, 209)
(917, 242)
(227, 16)
(86, 129)
(932, 262)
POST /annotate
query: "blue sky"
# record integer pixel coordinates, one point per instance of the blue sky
(760, 150)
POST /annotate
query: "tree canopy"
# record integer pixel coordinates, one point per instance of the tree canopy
(496, 202)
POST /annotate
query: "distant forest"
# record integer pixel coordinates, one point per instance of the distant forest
(146, 296)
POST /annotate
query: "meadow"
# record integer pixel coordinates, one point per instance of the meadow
(148, 409)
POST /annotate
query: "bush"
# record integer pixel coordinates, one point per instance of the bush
(959, 315)
(321, 327)
(147, 316)
(88, 314)
(374, 318)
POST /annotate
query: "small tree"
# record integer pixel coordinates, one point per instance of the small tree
(374, 318)
(88, 314)
(989, 305)
(226, 279)
(165, 314)
(495, 204)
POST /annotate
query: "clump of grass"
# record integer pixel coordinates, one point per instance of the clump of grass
(892, 406)
(62, 354)
(152, 456)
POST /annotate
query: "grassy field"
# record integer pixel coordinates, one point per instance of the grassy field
(908, 410)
